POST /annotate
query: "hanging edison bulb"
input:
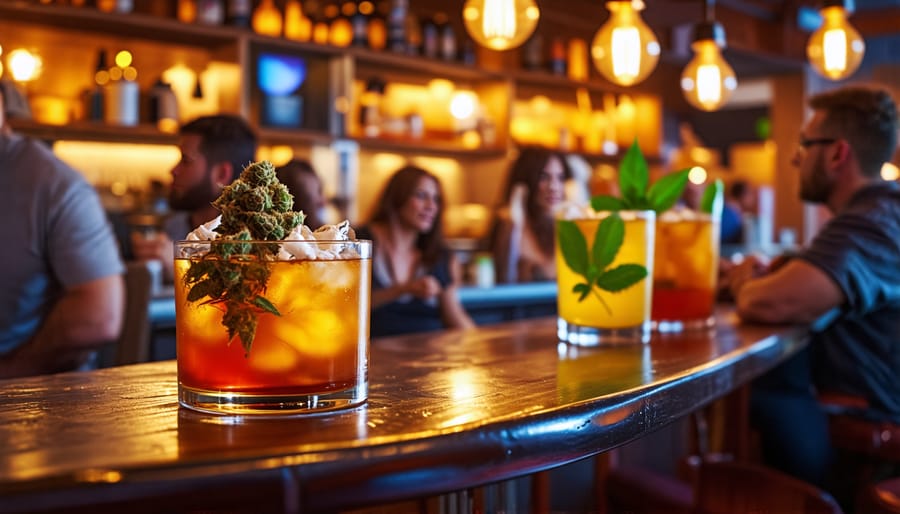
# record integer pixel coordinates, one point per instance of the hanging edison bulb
(500, 24)
(836, 49)
(708, 80)
(625, 50)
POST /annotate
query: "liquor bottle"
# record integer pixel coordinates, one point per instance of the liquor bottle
(340, 30)
(396, 26)
(187, 11)
(360, 21)
(210, 12)
(448, 38)
(558, 56)
(378, 30)
(413, 34)
(533, 52)
(296, 26)
(267, 19)
(431, 39)
(239, 12)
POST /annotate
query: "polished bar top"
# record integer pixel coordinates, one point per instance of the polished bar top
(446, 411)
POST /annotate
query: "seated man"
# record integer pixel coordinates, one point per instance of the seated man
(851, 270)
(214, 151)
(61, 287)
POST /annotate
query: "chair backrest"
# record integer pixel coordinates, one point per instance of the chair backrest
(133, 345)
(743, 488)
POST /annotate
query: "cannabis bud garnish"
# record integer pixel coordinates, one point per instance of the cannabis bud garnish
(234, 273)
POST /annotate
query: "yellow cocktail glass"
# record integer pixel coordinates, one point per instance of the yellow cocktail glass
(600, 316)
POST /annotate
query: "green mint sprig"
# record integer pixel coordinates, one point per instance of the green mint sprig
(634, 178)
(256, 207)
(593, 266)
(713, 200)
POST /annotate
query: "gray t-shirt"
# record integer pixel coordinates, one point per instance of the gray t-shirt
(859, 353)
(55, 235)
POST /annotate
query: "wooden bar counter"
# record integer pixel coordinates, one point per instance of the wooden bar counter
(446, 411)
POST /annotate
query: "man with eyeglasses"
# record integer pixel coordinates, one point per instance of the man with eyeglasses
(847, 281)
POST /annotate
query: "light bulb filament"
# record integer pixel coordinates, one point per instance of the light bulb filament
(709, 84)
(626, 52)
(835, 48)
(499, 20)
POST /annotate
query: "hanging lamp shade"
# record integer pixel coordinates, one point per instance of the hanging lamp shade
(500, 24)
(708, 80)
(835, 50)
(625, 50)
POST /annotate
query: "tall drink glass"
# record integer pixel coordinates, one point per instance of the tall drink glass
(685, 271)
(310, 357)
(599, 316)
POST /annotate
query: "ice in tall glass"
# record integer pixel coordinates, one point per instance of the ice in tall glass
(685, 270)
(311, 356)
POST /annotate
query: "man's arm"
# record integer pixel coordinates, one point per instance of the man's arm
(797, 292)
(86, 317)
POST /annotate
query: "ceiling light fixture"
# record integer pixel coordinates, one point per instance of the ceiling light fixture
(708, 81)
(625, 50)
(835, 50)
(500, 24)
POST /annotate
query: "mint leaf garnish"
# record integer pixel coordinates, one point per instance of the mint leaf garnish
(633, 175)
(666, 191)
(713, 198)
(608, 239)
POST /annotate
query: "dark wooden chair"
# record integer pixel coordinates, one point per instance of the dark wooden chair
(717, 486)
(725, 487)
(882, 498)
(133, 345)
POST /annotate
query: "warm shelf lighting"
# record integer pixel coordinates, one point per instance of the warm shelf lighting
(500, 24)
(835, 50)
(625, 50)
(23, 65)
(708, 81)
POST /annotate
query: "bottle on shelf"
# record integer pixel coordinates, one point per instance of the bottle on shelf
(267, 19)
(187, 11)
(340, 30)
(396, 26)
(163, 106)
(297, 26)
(210, 12)
(558, 56)
(378, 31)
(448, 37)
(431, 38)
(238, 13)
(94, 97)
(360, 20)
(413, 34)
(533, 52)
(118, 6)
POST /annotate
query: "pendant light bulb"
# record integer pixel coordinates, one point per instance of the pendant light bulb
(500, 24)
(835, 50)
(708, 80)
(625, 50)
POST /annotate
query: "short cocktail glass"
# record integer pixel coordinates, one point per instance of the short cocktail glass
(311, 357)
(604, 317)
(685, 270)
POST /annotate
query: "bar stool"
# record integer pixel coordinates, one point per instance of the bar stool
(882, 498)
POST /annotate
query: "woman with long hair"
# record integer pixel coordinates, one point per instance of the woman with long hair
(523, 235)
(414, 275)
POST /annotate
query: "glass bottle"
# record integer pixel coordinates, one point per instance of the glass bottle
(187, 11)
(297, 26)
(239, 12)
(267, 19)
(210, 12)
(396, 26)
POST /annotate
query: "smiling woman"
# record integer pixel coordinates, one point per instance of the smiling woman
(414, 276)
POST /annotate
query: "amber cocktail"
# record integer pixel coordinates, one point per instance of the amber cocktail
(685, 270)
(602, 297)
(310, 356)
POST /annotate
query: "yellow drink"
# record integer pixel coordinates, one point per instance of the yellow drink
(313, 356)
(620, 316)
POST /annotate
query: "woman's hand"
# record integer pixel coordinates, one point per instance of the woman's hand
(424, 287)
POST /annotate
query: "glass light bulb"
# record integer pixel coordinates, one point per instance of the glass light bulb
(500, 24)
(625, 50)
(836, 49)
(24, 66)
(708, 80)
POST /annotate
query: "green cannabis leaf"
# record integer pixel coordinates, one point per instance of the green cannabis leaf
(634, 177)
(594, 266)
(235, 272)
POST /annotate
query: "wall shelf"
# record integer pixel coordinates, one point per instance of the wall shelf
(94, 131)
